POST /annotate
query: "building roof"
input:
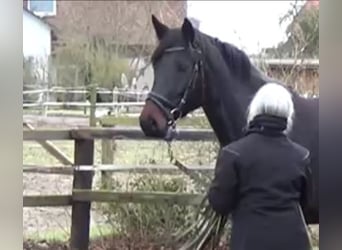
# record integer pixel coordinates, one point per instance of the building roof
(37, 17)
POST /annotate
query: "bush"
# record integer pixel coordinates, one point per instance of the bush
(82, 62)
(155, 222)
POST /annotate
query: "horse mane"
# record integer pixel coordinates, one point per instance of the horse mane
(239, 63)
(235, 59)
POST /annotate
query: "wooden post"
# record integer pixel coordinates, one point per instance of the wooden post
(107, 157)
(92, 117)
(115, 99)
(42, 103)
(80, 215)
(46, 99)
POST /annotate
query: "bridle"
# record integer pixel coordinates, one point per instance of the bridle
(174, 112)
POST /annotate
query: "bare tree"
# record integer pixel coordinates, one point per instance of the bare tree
(122, 33)
(300, 47)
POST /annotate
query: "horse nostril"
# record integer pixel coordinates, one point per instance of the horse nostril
(154, 125)
(149, 125)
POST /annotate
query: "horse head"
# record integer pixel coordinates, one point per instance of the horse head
(178, 70)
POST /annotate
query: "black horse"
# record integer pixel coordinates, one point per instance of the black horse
(193, 70)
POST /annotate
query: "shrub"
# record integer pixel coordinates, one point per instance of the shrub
(82, 62)
(153, 221)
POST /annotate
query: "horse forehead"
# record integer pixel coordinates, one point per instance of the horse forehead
(173, 38)
(163, 51)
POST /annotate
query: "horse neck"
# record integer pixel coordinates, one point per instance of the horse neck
(227, 100)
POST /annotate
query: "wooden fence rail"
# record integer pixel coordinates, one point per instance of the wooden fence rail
(83, 170)
(146, 169)
(83, 195)
(121, 99)
(52, 149)
(85, 104)
(115, 133)
(44, 103)
(83, 91)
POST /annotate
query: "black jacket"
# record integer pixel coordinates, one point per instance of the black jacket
(263, 181)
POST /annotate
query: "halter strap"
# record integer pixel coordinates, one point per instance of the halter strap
(174, 49)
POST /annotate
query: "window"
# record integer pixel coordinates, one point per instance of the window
(42, 8)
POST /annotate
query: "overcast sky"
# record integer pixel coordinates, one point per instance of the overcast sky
(250, 25)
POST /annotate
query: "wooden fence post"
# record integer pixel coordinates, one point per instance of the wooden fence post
(42, 97)
(92, 117)
(80, 215)
(115, 99)
(107, 157)
(46, 99)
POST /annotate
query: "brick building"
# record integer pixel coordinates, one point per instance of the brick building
(120, 22)
(126, 25)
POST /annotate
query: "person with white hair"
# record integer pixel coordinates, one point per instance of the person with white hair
(272, 100)
(262, 179)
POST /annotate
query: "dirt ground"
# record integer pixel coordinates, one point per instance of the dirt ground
(39, 219)
(105, 244)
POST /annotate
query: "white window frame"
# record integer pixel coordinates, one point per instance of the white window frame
(44, 13)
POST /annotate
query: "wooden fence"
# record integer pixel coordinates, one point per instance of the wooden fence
(83, 170)
(43, 102)
(127, 108)
(45, 99)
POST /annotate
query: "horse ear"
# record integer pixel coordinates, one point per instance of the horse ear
(159, 28)
(188, 30)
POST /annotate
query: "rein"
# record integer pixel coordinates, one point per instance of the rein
(193, 175)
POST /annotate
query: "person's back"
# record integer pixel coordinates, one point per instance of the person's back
(272, 171)
(262, 179)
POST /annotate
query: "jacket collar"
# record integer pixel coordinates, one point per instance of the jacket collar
(268, 125)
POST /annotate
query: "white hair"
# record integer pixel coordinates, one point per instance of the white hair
(272, 99)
